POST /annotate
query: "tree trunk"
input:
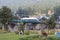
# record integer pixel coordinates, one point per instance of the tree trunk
(4, 27)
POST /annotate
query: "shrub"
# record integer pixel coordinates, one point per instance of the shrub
(0, 27)
(16, 32)
(8, 30)
(52, 32)
(26, 33)
(58, 38)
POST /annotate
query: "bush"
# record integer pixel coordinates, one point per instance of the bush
(16, 32)
(51, 32)
(26, 33)
(8, 30)
(58, 38)
(0, 26)
(33, 32)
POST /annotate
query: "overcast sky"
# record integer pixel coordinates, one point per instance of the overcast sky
(22, 3)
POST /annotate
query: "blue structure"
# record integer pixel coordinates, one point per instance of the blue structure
(16, 21)
(26, 21)
(30, 21)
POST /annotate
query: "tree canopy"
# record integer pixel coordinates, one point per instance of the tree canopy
(5, 15)
(57, 12)
(51, 23)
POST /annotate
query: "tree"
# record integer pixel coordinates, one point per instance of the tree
(25, 12)
(51, 23)
(57, 12)
(5, 16)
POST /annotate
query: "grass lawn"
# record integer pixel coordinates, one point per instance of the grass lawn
(10, 36)
(13, 36)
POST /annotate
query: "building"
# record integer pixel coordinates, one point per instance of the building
(30, 24)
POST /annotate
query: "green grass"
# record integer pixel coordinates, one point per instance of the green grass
(13, 36)
(10, 36)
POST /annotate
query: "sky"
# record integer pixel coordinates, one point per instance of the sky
(14, 4)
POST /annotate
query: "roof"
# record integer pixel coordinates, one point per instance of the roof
(16, 21)
(30, 20)
(27, 20)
